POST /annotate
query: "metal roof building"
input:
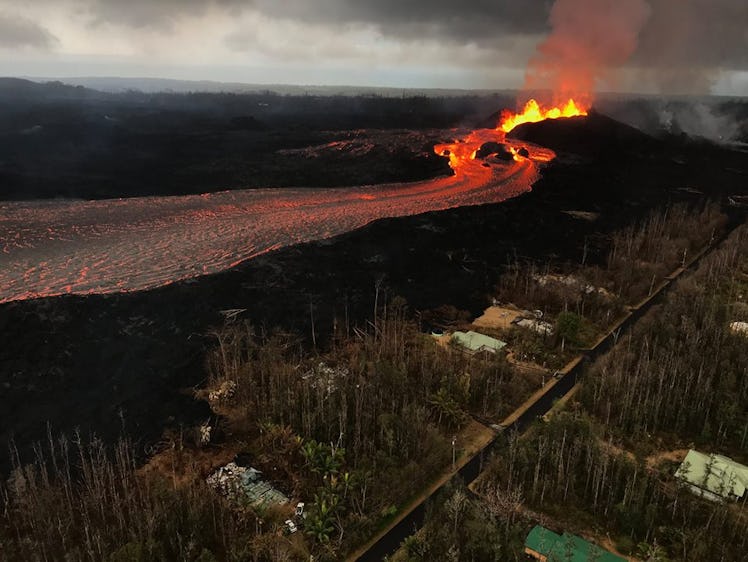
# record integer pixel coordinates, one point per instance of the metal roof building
(547, 546)
(475, 342)
(714, 477)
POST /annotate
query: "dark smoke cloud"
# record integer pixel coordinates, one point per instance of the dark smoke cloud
(686, 43)
(679, 45)
(20, 32)
(480, 20)
(474, 21)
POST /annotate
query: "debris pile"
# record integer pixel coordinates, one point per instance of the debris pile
(573, 282)
(243, 486)
(224, 392)
(536, 325)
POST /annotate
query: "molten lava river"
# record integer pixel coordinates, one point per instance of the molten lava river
(57, 247)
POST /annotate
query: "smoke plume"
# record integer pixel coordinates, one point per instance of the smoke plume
(588, 39)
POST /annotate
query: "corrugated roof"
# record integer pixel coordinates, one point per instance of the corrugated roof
(718, 475)
(477, 342)
(567, 547)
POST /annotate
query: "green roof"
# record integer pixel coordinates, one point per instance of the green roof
(566, 547)
(477, 342)
(541, 539)
(715, 476)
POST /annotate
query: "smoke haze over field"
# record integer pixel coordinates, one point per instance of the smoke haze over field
(673, 46)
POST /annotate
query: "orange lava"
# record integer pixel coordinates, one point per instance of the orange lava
(533, 112)
(61, 247)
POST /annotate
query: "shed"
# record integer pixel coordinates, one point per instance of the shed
(547, 546)
(474, 342)
(714, 477)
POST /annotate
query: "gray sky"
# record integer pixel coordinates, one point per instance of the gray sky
(683, 46)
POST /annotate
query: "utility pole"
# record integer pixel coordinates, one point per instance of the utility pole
(454, 440)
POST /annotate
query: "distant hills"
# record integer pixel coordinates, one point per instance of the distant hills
(113, 84)
(19, 88)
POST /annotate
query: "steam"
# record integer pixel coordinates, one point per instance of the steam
(589, 38)
(700, 120)
(669, 46)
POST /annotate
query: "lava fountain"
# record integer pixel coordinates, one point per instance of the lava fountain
(462, 152)
(533, 113)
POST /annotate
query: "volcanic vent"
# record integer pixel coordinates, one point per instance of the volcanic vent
(589, 40)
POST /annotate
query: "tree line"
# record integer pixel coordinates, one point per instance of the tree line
(638, 258)
(682, 370)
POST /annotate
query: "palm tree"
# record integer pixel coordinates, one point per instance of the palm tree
(320, 524)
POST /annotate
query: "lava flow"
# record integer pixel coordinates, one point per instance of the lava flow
(58, 247)
(50, 248)
(533, 112)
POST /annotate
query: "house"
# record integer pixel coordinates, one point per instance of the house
(473, 342)
(714, 477)
(547, 546)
